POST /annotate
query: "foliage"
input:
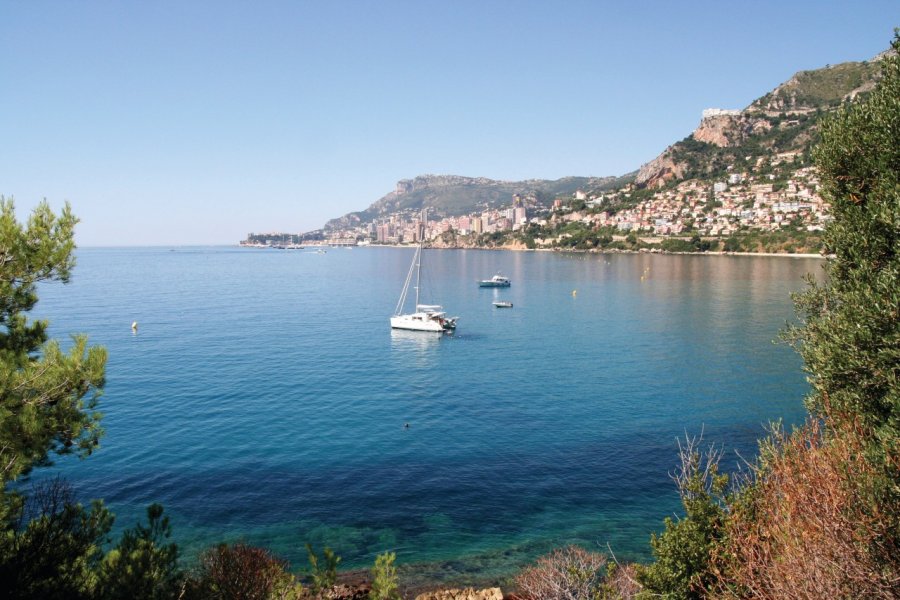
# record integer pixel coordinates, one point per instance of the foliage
(569, 573)
(241, 572)
(51, 545)
(493, 239)
(823, 87)
(683, 550)
(142, 565)
(46, 396)
(384, 578)
(695, 244)
(323, 577)
(806, 527)
(850, 334)
(784, 240)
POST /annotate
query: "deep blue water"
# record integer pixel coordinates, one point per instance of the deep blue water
(264, 395)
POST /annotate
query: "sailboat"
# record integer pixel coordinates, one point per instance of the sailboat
(425, 317)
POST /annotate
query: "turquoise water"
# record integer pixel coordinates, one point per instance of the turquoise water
(264, 396)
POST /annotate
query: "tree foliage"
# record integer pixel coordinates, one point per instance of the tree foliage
(850, 334)
(50, 544)
(820, 517)
(47, 396)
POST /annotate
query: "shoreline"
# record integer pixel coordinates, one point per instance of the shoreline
(576, 251)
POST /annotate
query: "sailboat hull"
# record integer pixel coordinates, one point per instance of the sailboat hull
(418, 322)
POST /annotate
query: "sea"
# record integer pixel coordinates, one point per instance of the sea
(263, 397)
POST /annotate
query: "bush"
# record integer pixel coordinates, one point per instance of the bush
(683, 551)
(323, 577)
(241, 572)
(142, 565)
(570, 573)
(806, 527)
(53, 545)
(821, 517)
(384, 578)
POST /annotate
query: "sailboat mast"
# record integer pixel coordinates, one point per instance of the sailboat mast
(421, 234)
(418, 272)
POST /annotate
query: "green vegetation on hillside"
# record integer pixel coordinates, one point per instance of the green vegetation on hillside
(821, 87)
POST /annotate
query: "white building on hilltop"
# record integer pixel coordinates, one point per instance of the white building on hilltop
(720, 112)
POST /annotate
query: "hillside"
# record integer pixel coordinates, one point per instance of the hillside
(783, 120)
(453, 195)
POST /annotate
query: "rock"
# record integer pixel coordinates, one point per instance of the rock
(348, 592)
(463, 594)
(659, 170)
(721, 130)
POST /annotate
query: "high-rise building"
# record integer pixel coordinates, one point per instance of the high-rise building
(520, 216)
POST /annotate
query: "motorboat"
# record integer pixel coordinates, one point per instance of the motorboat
(497, 280)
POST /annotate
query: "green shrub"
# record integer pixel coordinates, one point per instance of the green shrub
(142, 565)
(683, 551)
(323, 577)
(384, 578)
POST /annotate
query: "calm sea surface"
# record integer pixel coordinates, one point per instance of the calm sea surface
(264, 396)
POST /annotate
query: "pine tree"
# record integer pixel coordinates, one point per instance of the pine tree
(47, 396)
(49, 546)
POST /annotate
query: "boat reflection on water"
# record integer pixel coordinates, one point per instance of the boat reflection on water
(416, 349)
(406, 339)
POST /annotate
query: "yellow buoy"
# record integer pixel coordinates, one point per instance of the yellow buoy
(574, 292)
(134, 325)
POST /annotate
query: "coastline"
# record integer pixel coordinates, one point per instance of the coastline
(593, 251)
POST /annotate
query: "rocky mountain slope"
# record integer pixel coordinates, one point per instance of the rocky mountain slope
(783, 120)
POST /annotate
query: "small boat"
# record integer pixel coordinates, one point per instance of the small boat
(503, 304)
(497, 280)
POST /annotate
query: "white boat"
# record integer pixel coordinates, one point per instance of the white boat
(503, 304)
(425, 317)
(497, 280)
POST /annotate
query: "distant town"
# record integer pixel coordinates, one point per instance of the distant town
(778, 196)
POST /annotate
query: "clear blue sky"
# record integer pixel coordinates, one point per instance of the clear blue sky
(191, 122)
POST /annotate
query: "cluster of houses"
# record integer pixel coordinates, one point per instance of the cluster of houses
(721, 209)
(741, 201)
